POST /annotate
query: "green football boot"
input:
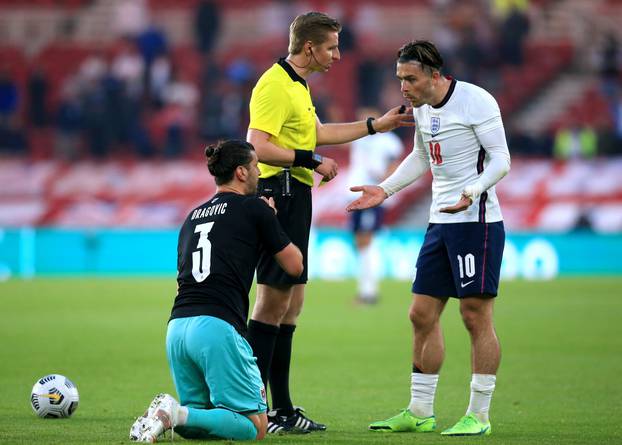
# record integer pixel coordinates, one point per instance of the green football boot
(469, 425)
(405, 422)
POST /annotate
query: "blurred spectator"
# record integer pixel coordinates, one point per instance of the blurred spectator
(276, 17)
(446, 39)
(234, 107)
(93, 69)
(618, 116)
(503, 8)
(161, 72)
(207, 25)
(224, 107)
(151, 43)
(609, 143)
(9, 96)
(370, 76)
(610, 66)
(180, 99)
(537, 145)
(130, 17)
(129, 68)
(513, 32)
(97, 127)
(37, 98)
(211, 102)
(347, 38)
(575, 141)
(471, 56)
(12, 137)
(612, 140)
(69, 122)
(209, 116)
(240, 71)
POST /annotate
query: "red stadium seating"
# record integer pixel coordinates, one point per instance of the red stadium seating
(536, 195)
(543, 62)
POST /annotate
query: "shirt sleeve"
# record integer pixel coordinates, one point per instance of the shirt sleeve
(483, 112)
(269, 108)
(271, 234)
(410, 169)
(498, 165)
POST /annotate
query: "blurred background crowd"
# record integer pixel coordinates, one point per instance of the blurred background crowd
(106, 105)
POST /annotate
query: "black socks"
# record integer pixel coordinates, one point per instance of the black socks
(279, 371)
(273, 348)
(262, 337)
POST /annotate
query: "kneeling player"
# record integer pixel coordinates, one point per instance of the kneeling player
(221, 394)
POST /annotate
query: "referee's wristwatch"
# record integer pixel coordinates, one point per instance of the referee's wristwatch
(307, 159)
(370, 127)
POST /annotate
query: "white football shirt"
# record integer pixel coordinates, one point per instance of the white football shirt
(456, 139)
(371, 156)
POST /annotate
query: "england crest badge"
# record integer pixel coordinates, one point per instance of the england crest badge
(435, 125)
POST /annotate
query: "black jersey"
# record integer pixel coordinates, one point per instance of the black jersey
(217, 253)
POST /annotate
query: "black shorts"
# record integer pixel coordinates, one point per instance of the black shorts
(460, 260)
(294, 214)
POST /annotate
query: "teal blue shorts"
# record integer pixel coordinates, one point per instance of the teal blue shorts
(213, 366)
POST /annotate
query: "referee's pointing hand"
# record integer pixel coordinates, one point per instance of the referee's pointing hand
(396, 117)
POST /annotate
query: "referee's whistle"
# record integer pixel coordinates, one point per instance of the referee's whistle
(402, 109)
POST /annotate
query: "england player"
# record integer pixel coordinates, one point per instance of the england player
(221, 394)
(372, 159)
(460, 137)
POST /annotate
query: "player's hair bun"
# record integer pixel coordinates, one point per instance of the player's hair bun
(225, 156)
(212, 153)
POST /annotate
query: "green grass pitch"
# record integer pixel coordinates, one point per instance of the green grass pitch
(558, 381)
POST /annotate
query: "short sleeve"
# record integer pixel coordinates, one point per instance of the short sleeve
(269, 107)
(271, 234)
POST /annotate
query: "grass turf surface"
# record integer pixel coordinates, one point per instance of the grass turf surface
(561, 343)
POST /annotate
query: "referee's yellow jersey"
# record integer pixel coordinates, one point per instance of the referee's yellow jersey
(281, 106)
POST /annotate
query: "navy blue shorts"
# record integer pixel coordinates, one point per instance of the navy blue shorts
(460, 260)
(368, 220)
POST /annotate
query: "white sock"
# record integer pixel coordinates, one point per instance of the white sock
(368, 282)
(182, 415)
(482, 387)
(422, 390)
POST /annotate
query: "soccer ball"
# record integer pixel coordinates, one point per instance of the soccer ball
(54, 396)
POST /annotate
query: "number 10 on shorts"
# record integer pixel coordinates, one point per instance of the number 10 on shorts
(466, 265)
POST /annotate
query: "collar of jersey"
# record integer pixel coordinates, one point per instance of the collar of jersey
(452, 87)
(290, 70)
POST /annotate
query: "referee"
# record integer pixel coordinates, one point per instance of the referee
(285, 130)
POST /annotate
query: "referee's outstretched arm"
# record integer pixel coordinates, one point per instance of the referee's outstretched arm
(329, 134)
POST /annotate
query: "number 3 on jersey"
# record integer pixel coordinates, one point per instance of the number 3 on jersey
(201, 259)
(435, 153)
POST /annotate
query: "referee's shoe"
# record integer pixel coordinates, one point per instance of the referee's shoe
(296, 423)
